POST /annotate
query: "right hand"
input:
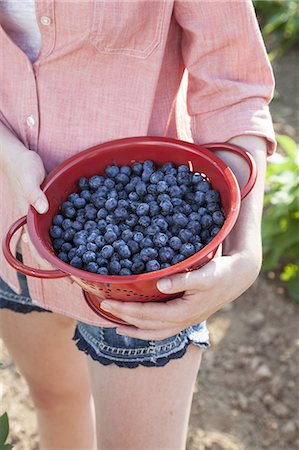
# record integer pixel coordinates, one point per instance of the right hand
(25, 178)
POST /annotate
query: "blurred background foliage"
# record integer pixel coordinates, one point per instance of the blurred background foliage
(279, 22)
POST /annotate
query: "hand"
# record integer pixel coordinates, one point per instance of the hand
(206, 291)
(25, 179)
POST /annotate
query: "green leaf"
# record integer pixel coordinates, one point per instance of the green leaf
(288, 144)
(4, 428)
(293, 288)
(6, 446)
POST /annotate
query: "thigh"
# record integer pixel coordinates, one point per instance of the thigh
(144, 407)
(42, 347)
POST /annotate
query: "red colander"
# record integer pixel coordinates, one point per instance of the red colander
(62, 181)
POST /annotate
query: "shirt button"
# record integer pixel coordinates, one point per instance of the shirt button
(45, 20)
(30, 121)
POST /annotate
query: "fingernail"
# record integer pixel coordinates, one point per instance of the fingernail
(106, 306)
(165, 284)
(25, 238)
(41, 205)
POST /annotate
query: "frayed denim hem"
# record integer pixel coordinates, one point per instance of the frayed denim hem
(23, 308)
(160, 361)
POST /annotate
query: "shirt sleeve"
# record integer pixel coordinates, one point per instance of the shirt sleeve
(230, 79)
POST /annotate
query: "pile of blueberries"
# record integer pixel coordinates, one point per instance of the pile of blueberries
(136, 219)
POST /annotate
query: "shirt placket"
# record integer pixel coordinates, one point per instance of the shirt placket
(45, 18)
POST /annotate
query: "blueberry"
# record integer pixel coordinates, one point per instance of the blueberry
(72, 253)
(81, 250)
(187, 249)
(70, 212)
(77, 225)
(156, 177)
(109, 183)
(58, 219)
(111, 219)
(198, 246)
(125, 271)
(154, 208)
(95, 182)
(122, 178)
(93, 235)
(126, 170)
(133, 196)
(89, 256)
(90, 212)
(110, 236)
(102, 261)
(185, 235)
(175, 191)
(56, 232)
(76, 261)
(69, 234)
(141, 189)
(79, 202)
(146, 242)
(177, 259)
(202, 211)
(118, 244)
(203, 186)
(126, 235)
(199, 198)
(137, 168)
(162, 187)
(160, 239)
(63, 256)
(127, 263)
(122, 203)
(194, 216)
(102, 225)
(121, 213)
(143, 209)
(175, 243)
(130, 187)
(66, 247)
(161, 223)
(86, 195)
(166, 254)
(112, 171)
(91, 246)
(119, 187)
(152, 190)
(170, 180)
(166, 207)
(152, 230)
(92, 267)
(204, 235)
(138, 267)
(183, 168)
(165, 265)
(167, 167)
(206, 221)
(110, 205)
(114, 267)
(212, 196)
(133, 246)
(90, 225)
(138, 236)
(212, 207)
(184, 178)
(107, 251)
(144, 221)
(180, 219)
(102, 191)
(83, 183)
(194, 226)
(80, 238)
(218, 218)
(149, 253)
(187, 209)
(152, 265)
(102, 271)
(196, 178)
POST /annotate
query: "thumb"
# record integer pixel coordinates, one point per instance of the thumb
(36, 197)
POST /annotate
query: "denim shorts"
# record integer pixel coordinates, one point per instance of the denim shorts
(105, 345)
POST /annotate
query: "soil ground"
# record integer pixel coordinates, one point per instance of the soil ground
(247, 396)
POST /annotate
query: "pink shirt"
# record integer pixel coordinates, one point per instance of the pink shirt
(112, 69)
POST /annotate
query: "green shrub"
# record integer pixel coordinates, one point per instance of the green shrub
(280, 226)
(4, 430)
(279, 21)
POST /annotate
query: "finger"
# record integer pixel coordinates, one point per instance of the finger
(200, 279)
(34, 195)
(171, 311)
(146, 334)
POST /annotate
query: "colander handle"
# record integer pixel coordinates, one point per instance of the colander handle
(246, 156)
(16, 264)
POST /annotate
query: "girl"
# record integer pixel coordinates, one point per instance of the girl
(74, 74)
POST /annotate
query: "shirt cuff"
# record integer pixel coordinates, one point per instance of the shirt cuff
(244, 118)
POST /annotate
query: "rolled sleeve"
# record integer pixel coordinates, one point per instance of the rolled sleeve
(230, 79)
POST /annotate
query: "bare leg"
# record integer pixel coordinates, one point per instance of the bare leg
(56, 372)
(144, 408)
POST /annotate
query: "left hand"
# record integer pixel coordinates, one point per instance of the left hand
(207, 290)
